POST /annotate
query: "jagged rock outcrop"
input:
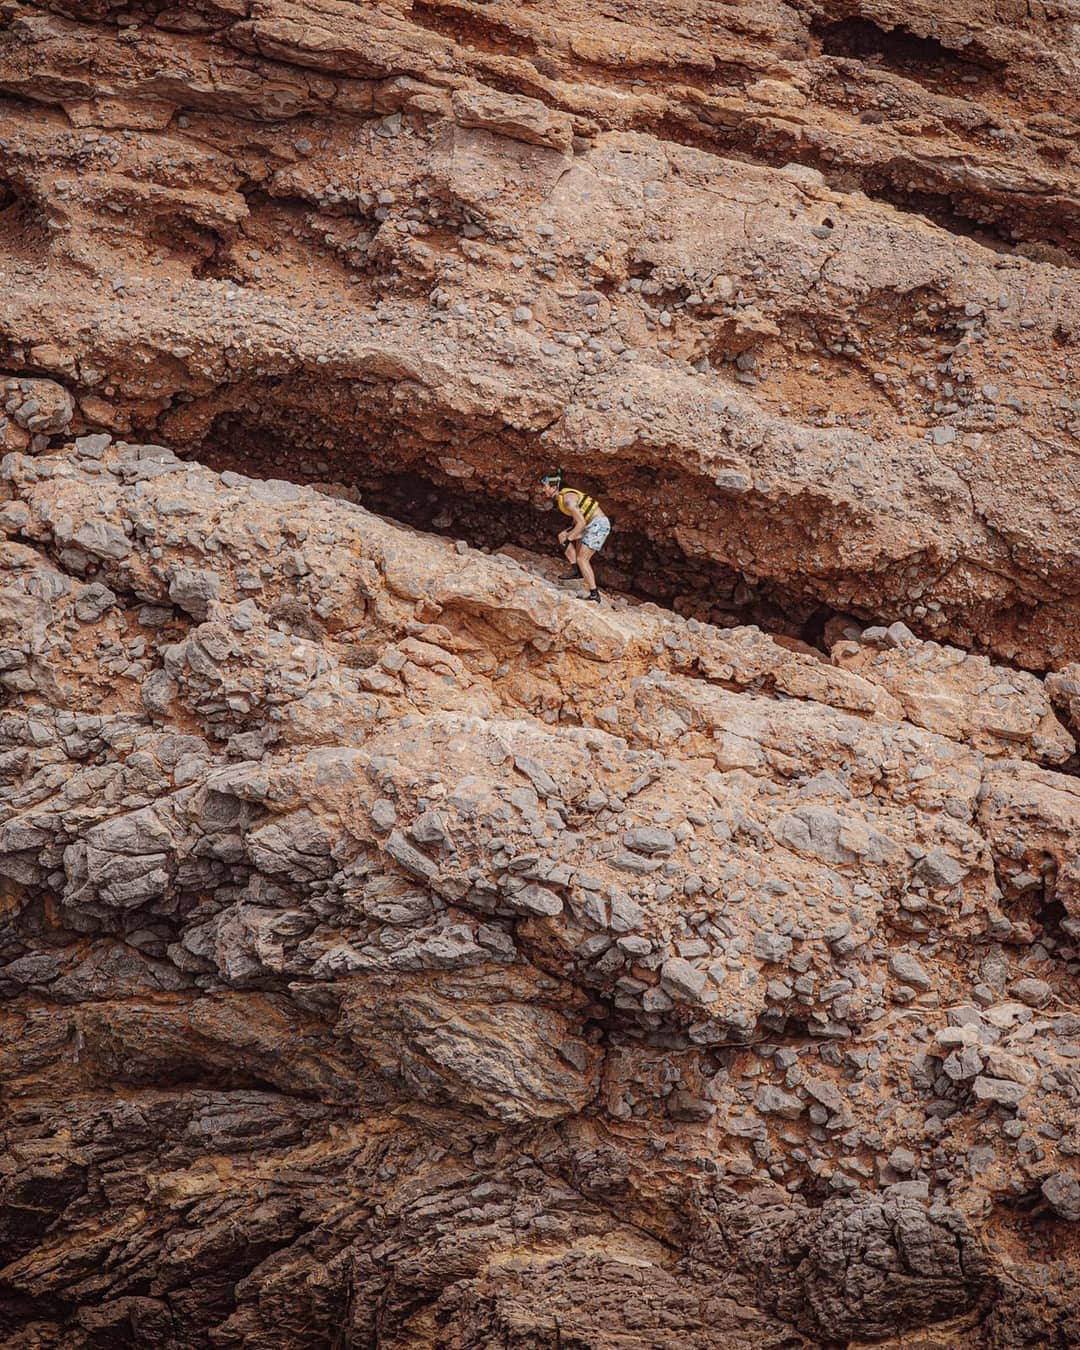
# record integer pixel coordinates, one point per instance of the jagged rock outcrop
(397, 952)
(401, 952)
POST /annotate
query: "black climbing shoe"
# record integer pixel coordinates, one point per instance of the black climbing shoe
(592, 595)
(575, 575)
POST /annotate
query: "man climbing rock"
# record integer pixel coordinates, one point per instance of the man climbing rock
(585, 535)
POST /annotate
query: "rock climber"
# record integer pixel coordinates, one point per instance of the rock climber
(586, 533)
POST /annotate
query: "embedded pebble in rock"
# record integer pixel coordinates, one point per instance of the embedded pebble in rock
(903, 1160)
(398, 951)
(683, 980)
(1036, 993)
(998, 1090)
(772, 947)
(771, 1101)
(32, 411)
(1062, 1192)
(905, 967)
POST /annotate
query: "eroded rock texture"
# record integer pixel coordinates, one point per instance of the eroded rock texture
(397, 952)
(400, 952)
(794, 285)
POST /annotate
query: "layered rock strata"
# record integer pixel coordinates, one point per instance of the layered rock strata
(399, 951)
(794, 286)
(396, 951)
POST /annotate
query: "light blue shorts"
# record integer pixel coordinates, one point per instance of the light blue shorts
(596, 532)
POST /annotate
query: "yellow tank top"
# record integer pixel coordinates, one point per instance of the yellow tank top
(588, 506)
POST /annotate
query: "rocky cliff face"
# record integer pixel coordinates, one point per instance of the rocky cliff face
(398, 952)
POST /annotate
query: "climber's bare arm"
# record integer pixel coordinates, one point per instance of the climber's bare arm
(574, 531)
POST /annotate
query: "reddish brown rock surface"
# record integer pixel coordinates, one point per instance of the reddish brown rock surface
(795, 287)
(396, 951)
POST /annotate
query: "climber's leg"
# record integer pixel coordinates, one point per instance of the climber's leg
(584, 553)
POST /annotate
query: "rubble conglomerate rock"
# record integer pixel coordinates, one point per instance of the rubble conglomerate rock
(398, 950)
